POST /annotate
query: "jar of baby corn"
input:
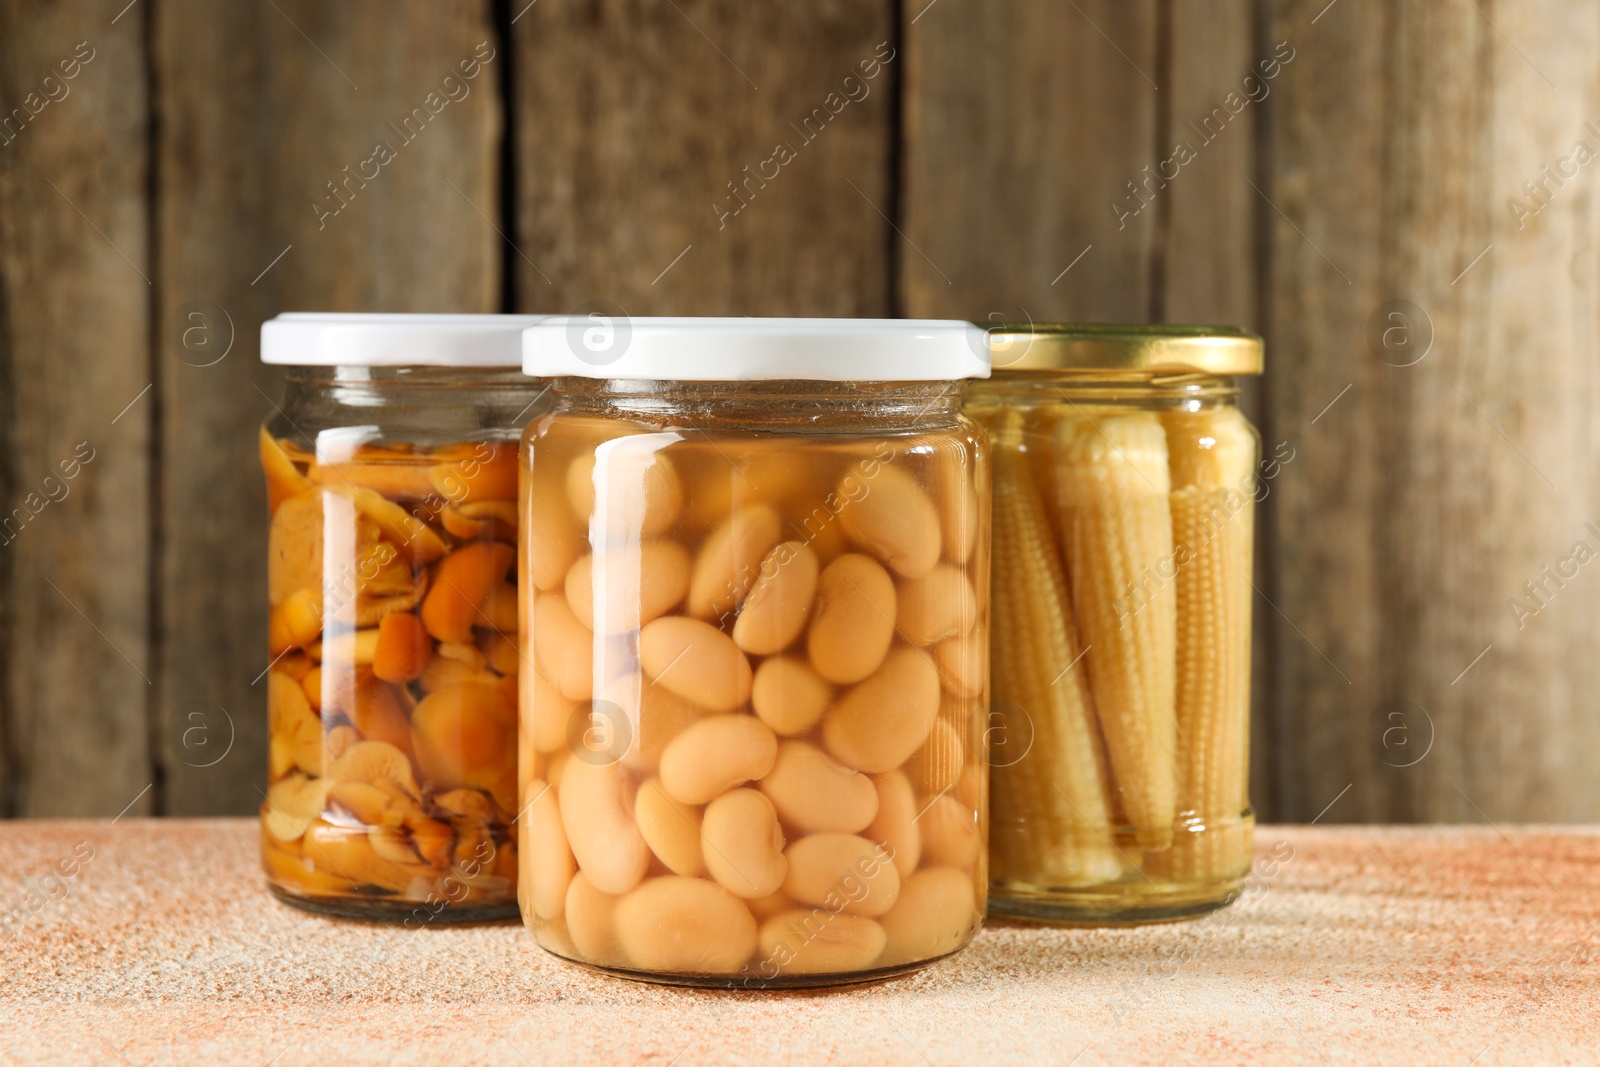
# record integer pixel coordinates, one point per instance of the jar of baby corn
(391, 472)
(1125, 485)
(755, 558)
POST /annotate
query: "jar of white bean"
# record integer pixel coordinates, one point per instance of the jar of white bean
(755, 556)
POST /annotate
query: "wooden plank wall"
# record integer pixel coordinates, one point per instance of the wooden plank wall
(76, 283)
(968, 158)
(686, 158)
(260, 108)
(1446, 477)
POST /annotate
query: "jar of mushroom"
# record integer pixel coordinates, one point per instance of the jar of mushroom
(392, 587)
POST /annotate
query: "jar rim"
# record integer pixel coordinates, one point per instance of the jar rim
(709, 349)
(343, 339)
(862, 407)
(1154, 349)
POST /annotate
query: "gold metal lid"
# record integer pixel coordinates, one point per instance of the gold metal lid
(1077, 348)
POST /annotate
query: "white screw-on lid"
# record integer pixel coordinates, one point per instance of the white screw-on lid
(704, 349)
(325, 339)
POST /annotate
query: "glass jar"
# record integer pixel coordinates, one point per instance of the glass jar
(753, 731)
(391, 472)
(1125, 484)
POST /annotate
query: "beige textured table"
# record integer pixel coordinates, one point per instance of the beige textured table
(1439, 945)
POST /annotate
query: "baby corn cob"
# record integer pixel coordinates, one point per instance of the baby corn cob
(1039, 428)
(1112, 486)
(1050, 816)
(1212, 455)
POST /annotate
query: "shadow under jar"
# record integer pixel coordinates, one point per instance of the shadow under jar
(753, 731)
(391, 472)
(1124, 512)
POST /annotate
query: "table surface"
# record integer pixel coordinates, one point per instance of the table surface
(1465, 945)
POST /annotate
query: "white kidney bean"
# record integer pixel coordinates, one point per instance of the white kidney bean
(895, 824)
(551, 540)
(937, 606)
(896, 522)
(789, 695)
(744, 844)
(949, 834)
(815, 942)
(697, 661)
(812, 791)
(842, 872)
(545, 711)
(597, 814)
(852, 622)
(672, 830)
(655, 715)
(547, 861)
(634, 583)
(685, 925)
(876, 726)
(580, 486)
(591, 922)
(730, 560)
(779, 604)
(643, 493)
(563, 647)
(715, 755)
(936, 914)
